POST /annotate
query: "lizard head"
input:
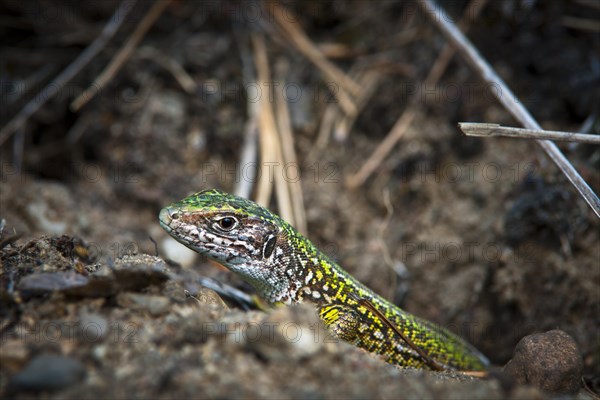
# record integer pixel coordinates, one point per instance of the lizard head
(236, 232)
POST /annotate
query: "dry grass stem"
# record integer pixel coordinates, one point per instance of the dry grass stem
(406, 118)
(124, 53)
(184, 79)
(508, 99)
(345, 87)
(290, 161)
(341, 124)
(249, 153)
(369, 81)
(265, 125)
(495, 130)
(270, 144)
(584, 24)
(113, 24)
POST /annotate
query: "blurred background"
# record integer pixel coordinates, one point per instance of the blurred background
(290, 104)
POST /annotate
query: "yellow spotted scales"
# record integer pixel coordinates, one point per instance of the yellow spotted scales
(285, 267)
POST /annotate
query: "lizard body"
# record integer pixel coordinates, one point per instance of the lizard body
(285, 267)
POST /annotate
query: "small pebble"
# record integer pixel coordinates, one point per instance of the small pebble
(139, 271)
(48, 372)
(92, 327)
(46, 282)
(550, 361)
(209, 296)
(70, 283)
(155, 305)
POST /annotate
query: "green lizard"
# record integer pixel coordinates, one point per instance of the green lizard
(285, 267)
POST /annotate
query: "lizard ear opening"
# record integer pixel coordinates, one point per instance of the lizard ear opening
(269, 246)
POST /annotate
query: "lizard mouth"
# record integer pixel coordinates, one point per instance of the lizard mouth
(169, 219)
(165, 217)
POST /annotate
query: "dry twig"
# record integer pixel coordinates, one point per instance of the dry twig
(369, 81)
(397, 131)
(495, 130)
(584, 24)
(114, 22)
(338, 123)
(249, 154)
(346, 86)
(284, 125)
(123, 54)
(507, 98)
(184, 79)
(270, 144)
(265, 122)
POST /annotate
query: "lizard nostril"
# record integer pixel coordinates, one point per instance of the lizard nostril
(167, 215)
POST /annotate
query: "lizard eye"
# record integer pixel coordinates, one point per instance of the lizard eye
(227, 223)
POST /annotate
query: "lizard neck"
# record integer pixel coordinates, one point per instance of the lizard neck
(305, 274)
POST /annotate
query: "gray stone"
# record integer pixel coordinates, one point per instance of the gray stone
(48, 372)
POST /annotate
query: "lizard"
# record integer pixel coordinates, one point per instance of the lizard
(285, 268)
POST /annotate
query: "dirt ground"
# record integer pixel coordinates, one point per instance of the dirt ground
(483, 236)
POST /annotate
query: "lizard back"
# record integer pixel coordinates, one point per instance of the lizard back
(285, 267)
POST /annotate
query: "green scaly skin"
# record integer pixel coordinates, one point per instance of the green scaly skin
(285, 267)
